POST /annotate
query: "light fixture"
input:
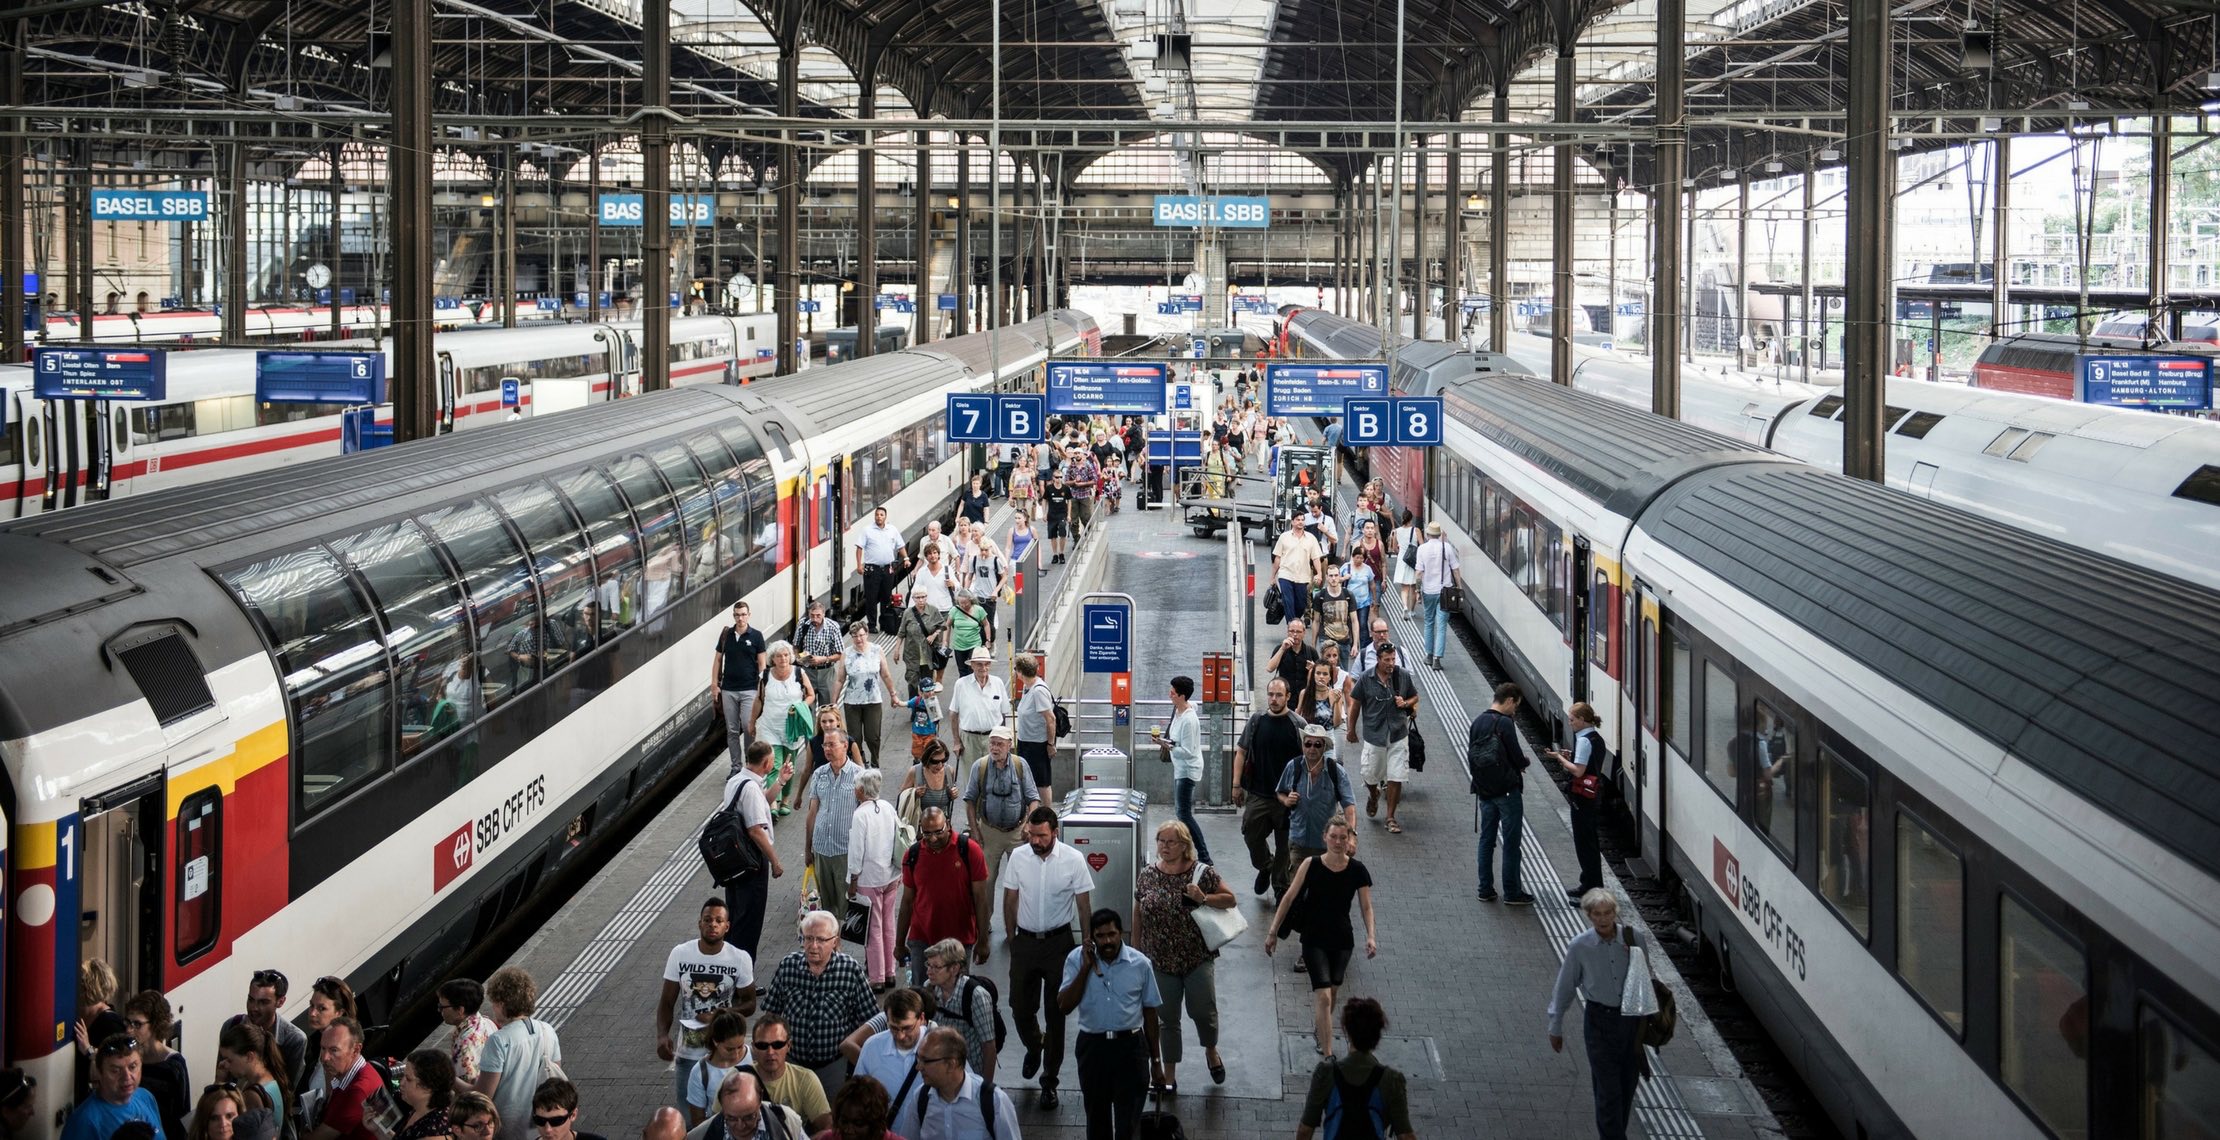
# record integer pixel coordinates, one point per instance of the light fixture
(1688, 184)
(2212, 81)
(485, 199)
(1829, 154)
(1991, 124)
(2077, 104)
(1156, 84)
(1729, 175)
(952, 201)
(1775, 166)
(1472, 202)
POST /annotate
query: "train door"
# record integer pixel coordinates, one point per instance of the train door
(1580, 618)
(28, 464)
(1923, 479)
(1645, 689)
(446, 393)
(120, 909)
(624, 364)
(836, 532)
(79, 463)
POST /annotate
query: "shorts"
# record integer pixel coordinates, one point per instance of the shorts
(1037, 760)
(1327, 967)
(1058, 527)
(1386, 763)
(918, 743)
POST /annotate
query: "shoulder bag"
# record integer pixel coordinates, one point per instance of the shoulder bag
(1646, 997)
(1218, 926)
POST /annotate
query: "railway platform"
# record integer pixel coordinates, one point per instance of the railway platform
(1465, 984)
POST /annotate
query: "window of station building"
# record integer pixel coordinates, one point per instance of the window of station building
(1918, 425)
(1931, 920)
(563, 566)
(2043, 1007)
(1777, 773)
(1845, 839)
(709, 547)
(334, 669)
(2202, 486)
(435, 675)
(1680, 683)
(1720, 702)
(199, 874)
(2180, 1094)
(504, 609)
(657, 514)
(615, 547)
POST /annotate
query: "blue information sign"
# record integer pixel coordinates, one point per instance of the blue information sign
(631, 210)
(100, 373)
(945, 302)
(1296, 389)
(811, 307)
(548, 304)
(446, 304)
(2170, 383)
(1020, 419)
(1183, 398)
(1418, 421)
(149, 206)
(285, 377)
(1188, 211)
(1106, 387)
(971, 417)
(1367, 421)
(1109, 644)
(1476, 304)
(510, 396)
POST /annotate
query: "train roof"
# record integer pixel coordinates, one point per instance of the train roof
(1424, 367)
(1619, 456)
(2100, 674)
(1338, 335)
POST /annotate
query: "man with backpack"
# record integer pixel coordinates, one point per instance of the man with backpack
(747, 808)
(1356, 1097)
(944, 891)
(949, 1101)
(1498, 774)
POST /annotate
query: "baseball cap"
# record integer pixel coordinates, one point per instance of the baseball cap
(928, 686)
(1001, 732)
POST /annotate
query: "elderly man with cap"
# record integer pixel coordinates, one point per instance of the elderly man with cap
(999, 797)
(977, 703)
(1438, 569)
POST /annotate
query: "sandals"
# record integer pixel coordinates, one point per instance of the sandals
(1371, 799)
(1394, 828)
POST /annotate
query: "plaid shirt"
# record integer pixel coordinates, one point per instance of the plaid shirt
(822, 1009)
(821, 640)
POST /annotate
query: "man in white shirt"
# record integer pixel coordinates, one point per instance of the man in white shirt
(976, 704)
(1438, 568)
(879, 550)
(1046, 887)
(949, 1101)
(750, 894)
(1298, 561)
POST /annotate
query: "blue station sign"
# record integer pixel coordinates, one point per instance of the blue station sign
(285, 377)
(100, 373)
(1191, 212)
(631, 210)
(149, 206)
(2160, 383)
(1109, 637)
(1106, 387)
(1302, 389)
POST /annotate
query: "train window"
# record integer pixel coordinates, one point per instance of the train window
(2029, 446)
(711, 548)
(728, 494)
(1918, 425)
(268, 414)
(161, 422)
(743, 442)
(1776, 772)
(2043, 1041)
(1826, 408)
(615, 547)
(8, 435)
(763, 507)
(199, 874)
(335, 674)
(1679, 705)
(565, 569)
(2005, 441)
(2202, 486)
(1890, 413)
(665, 553)
(1719, 729)
(1931, 920)
(512, 640)
(2180, 1097)
(437, 677)
(31, 444)
(1845, 839)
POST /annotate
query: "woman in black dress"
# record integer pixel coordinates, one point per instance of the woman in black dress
(1317, 904)
(427, 1087)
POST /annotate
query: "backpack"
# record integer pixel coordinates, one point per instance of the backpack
(987, 1106)
(1063, 720)
(1367, 1120)
(994, 1002)
(726, 847)
(1492, 773)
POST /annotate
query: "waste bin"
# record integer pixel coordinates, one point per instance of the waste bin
(1105, 768)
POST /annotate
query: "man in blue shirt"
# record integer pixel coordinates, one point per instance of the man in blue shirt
(1113, 987)
(948, 1101)
(1313, 789)
(117, 1097)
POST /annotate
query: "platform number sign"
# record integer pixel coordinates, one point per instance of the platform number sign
(971, 418)
(1418, 421)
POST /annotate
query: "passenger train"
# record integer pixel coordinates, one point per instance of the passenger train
(1942, 796)
(56, 454)
(2141, 487)
(347, 717)
(2047, 364)
(273, 323)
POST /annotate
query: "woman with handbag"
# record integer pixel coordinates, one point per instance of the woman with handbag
(875, 876)
(1585, 793)
(1317, 905)
(1182, 913)
(1403, 559)
(1609, 970)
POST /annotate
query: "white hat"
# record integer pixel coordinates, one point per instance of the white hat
(981, 654)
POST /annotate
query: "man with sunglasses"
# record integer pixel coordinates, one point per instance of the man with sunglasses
(117, 1098)
(1313, 791)
(785, 1081)
(265, 998)
(944, 891)
(949, 1101)
(555, 1111)
(744, 1112)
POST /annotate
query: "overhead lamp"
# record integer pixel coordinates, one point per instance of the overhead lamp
(1472, 202)
(289, 103)
(485, 199)
(1156, 84)
(1775, 166)
(1165, 110)
(1991, 124)
(1688, 184)
(1128, 9)
(1729, 175)
(1977, 50)
(2212, 81)
(1830, 154)
(138, 79)
(1144, 48)
(2077, 104)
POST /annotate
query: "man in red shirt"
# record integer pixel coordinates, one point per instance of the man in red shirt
(944, 891)
(356, 1089)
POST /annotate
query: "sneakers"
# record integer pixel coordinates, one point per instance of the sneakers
(1520, 898)
(1263, 881)
(1486, 895)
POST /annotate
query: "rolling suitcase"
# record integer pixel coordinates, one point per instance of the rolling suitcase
(1159, 1124)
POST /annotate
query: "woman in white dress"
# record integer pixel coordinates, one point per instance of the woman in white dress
(784, 686)
(1406, 537)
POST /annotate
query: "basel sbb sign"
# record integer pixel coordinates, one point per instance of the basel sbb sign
(1187, 210)
(631, 210)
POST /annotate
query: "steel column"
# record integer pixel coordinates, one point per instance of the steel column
(2000, 229)
(1419, 294)
(1744, 341)
(1811, 173)
(1499, 221)
(235, 241)
(1453, 240)
(924, 302)
(1563, 205)
(655, 198)
(960, 270)
(1669, 160)
(507, 209)
(1872, 198)
(867, 219)
(2162, 211)
(331, 239)
(413, 384)
(786, 293)
(13, 172)
(593, 231)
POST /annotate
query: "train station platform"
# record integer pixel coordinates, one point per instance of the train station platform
(1465, 985)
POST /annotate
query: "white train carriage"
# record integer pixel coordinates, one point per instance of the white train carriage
(237, 723)
(277, 324)
(1943, 796)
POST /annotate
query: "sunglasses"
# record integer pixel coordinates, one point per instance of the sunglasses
(483, 1124)
(539, 1121)
(772, 1046)
(117, 1046)
(220, 1086)
(269, 978)
(1314, 744)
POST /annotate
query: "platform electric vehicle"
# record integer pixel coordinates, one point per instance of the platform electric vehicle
(349, 717)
